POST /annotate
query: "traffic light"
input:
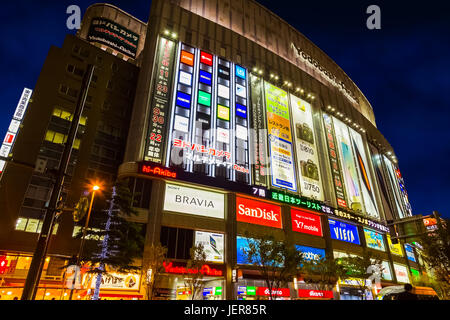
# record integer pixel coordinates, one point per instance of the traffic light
(3, 264)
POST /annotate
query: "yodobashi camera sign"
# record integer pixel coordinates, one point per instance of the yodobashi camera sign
(306, 222)
(194, 201)
(344, 231)
(257, 212)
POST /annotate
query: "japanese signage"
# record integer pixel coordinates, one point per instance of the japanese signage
(114, 36)
(277, 292)
(14, 126)
(311, 254)
(157, 171)
(394, 248)
(321, 294)
(280, 140)
(213, 244)
(306, 148)
(194, 201)
(344, 231)
(170, 267)
(430, 223)
(306, 222)
(401, 273)
(118, 281)
(160, 103)
(257, 212)
(334, 161)
(374, 240)
(258, 138)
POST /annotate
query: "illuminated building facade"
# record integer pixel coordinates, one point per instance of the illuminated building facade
(240, 123)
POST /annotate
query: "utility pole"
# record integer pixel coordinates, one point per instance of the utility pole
(37, 263)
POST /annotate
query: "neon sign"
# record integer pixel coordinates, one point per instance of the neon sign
(205, 270)
(157, 171)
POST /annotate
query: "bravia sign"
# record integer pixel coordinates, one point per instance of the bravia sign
(194, 201)
(257, 212)
(306, 222)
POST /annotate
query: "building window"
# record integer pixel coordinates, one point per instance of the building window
(32, 225)
(68, 91)
(66, 115)
(59, 138)
(75, 71)
(178, 242)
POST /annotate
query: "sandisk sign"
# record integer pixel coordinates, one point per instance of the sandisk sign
(305, 222)
(256, 212)
(304, 293)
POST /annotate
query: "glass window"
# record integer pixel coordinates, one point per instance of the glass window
(58, 138)
(21, 224)
(32, 225)
(49, 136)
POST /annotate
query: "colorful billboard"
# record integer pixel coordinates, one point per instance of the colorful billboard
(257, 212)
(311, 254)
(213, 244)
(394, 248)
(374, 240)
(306, 149)
(410, 252)
(401, 273)
(306, 222)
(280, 140)
(344, 231)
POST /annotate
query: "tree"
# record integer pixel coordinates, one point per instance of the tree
(277, 261)
(124, 238)
(194, 280)
(152, 265)
(323, 274)
(436, 254)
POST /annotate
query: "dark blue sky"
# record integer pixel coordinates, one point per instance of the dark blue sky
(403, 69)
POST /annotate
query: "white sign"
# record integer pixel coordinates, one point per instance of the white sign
(118, 281)
(185, 78)
(241, 91)
(241, 132)
(213, 244)
(23, 104)
(181, 124)
(223, 91)
(194, 201)
(223, 135)
(401, 273)
(14, 126)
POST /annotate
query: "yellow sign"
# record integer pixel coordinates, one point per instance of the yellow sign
(223, 112)
(394, 248)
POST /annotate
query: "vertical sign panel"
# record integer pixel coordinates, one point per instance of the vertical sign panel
(362, 164)
(242, 165)
(334, 161)
(160, 103)
(258, 131)
(348, 166)
(394, 187)
(308, 160)
(181, 148)
(280, 139)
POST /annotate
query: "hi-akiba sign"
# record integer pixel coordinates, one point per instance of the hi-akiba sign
(305, 222)
(194, 201)
(257, 212)
(344, 231)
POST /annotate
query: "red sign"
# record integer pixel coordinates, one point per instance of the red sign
(206, 58)
(257, 212)
(305, 222)
(187, 58)
(206, 270)
(157, 171)
(304, 293)
(429, 221)
(279, 292)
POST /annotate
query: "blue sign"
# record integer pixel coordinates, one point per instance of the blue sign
(241, 247)
(240, 72)
(410, 252)
(241, 110)
(310, 253)
(205, 77)
(183, 100)
(344, 231)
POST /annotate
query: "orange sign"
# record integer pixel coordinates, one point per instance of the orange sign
(187, 58)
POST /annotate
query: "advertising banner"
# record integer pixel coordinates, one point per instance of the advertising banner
(401, 273)
(334, 162)
(257, 212)
(118, 281)
(242, 246)
(306, 149)
(306, 293)
(394, 248)
(310, 253)
(194, 201)
(278, 292)
(306, 222)
(366, 184)
(410, 252)
(258, 137)
(280, 139)
(394, 187)
(344, 231)
(114, 35)
(348, 166)
(374, 240)
(386, 273)
(213, 244)
(160, 102)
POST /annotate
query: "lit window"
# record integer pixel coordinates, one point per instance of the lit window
(21, 224)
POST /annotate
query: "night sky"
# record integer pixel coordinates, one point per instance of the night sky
(403, 70)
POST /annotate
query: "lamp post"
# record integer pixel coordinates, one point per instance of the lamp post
(83, 238)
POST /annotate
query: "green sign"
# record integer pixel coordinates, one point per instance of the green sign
(218, 291)
(204, 98)
(415, 273)
(251, 291)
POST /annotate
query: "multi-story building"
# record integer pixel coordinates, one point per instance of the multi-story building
(238, 124)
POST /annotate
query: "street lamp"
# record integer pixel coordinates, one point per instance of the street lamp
(83, 238)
